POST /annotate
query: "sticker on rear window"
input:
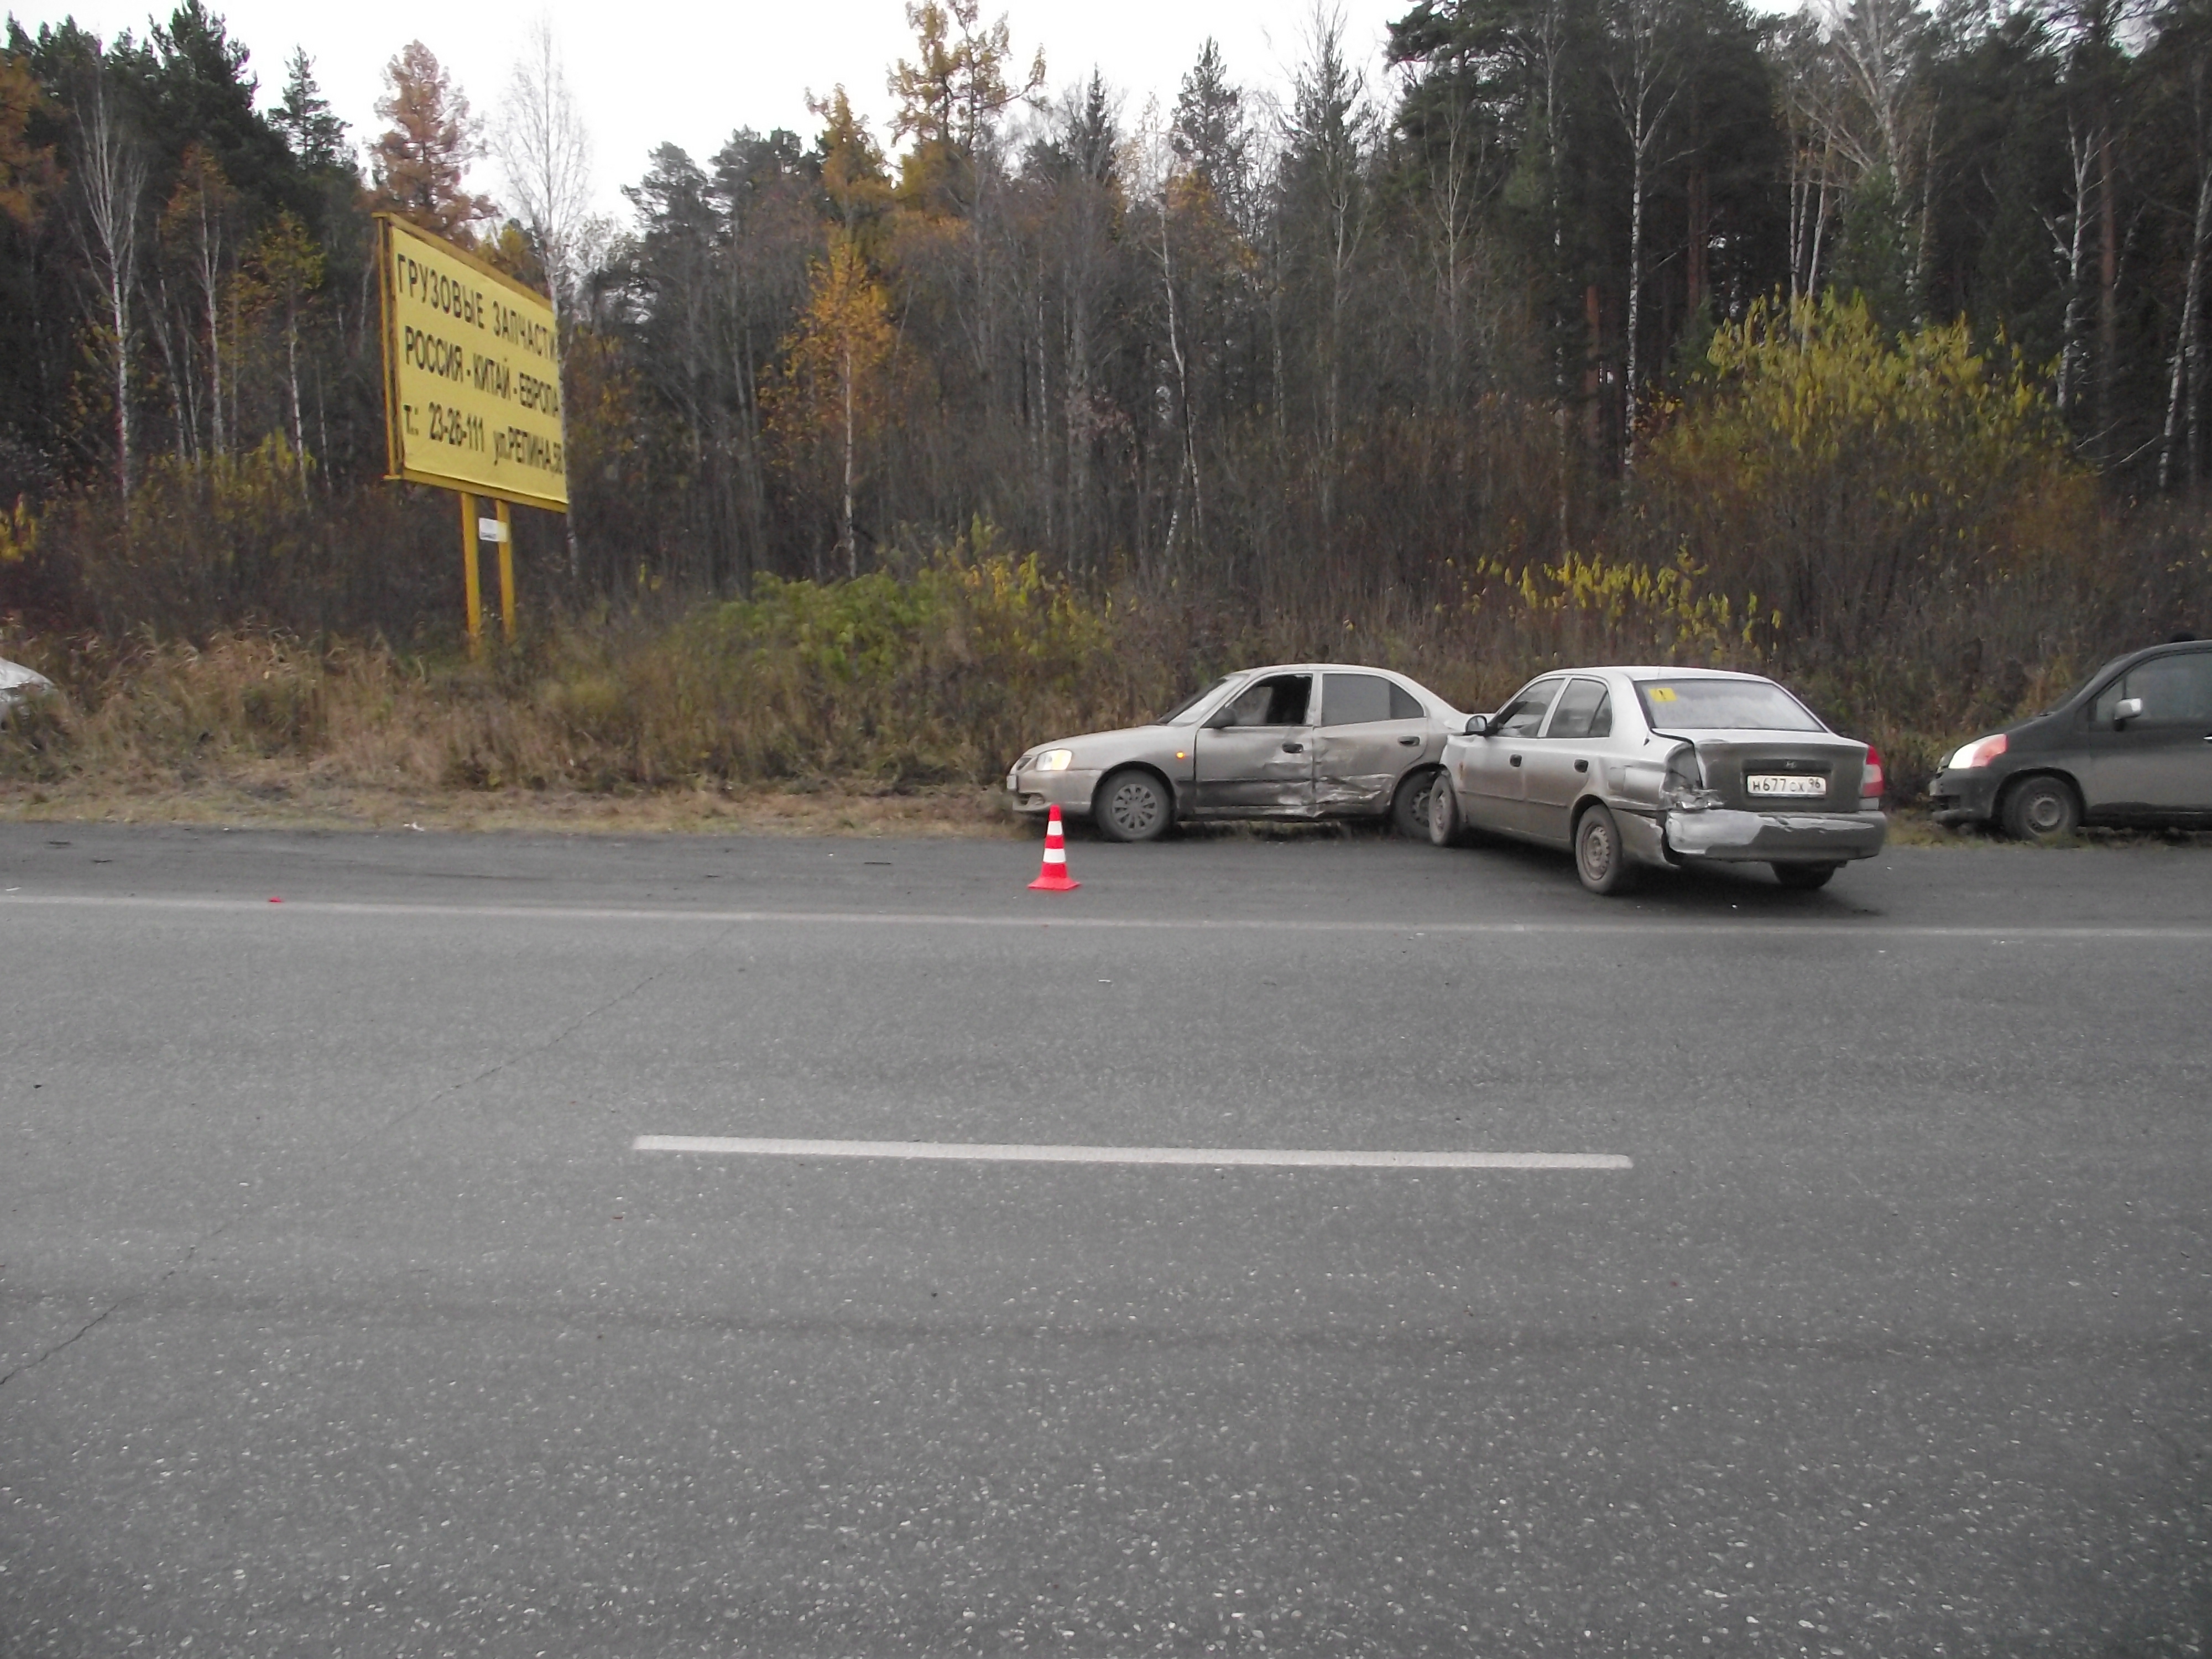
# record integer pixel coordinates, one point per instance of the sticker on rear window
(1662, 693)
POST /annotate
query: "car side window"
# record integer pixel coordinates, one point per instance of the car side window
(1524, 716)
(1355, 699)
(2176, 691)
(1404, 705)
(1279, 699)
(1580, 705)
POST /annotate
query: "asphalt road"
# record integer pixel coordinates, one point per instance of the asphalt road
(341, 1315)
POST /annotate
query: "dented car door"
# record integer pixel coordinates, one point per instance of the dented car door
(1370, 730)
(1255, 758)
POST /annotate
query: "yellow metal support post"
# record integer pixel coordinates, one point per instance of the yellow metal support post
(506, 573)
(472, 582)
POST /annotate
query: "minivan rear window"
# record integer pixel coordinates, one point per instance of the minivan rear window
(1723, 706)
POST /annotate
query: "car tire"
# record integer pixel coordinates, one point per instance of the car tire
(1409, 806)
(1133, 805)
(2042, 810)
(1804, 878)
(1599, 859)
(1447, 824)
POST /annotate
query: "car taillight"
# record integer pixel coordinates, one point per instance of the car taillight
(1871, 781)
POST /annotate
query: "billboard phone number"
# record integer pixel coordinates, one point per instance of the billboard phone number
(452, 427)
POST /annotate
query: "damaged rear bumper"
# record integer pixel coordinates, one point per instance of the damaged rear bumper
(1724, 836)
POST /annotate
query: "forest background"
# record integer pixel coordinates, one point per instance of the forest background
(1863, 346)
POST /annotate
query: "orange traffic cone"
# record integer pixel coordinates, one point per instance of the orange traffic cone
(1051, 876)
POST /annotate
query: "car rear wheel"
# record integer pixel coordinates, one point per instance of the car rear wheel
(1599, 859)
(1804, 878)
(1447, 827)
(1409, 807)
(1132, 806)
(2042, 810)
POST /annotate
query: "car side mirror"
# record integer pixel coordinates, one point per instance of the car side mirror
(1477, 726)
(2126, 709)
(1221, 718)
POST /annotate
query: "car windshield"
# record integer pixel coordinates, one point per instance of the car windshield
(1723, 706)
(1191, 703)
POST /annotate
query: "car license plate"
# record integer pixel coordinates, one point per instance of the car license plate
(1783, 783)
(1013, 782)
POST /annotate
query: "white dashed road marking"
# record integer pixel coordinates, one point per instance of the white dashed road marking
(1210, 1158)
(1630, 925)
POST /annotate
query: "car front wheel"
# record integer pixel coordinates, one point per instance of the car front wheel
(1447, 827)
(1599, 859)
(1409, 807)
(2042, 810)
(1132, 806)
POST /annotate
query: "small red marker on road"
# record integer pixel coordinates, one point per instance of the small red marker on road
(276, 901)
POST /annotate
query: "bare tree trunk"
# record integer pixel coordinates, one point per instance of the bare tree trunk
(1182, 384)
(1644, 110)
(112, 176)
(1550, 41)
(543, 146)
(852, 547)
(292, 386)
(2182, 382)
(2083, 157)
(179, 374)
(1631, 380)
(209, 256)
(2108, 287)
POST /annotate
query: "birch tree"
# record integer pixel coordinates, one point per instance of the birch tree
(543, 150)
(1646, 79)
(110, 171)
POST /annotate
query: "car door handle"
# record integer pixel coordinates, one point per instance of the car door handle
(1516, 761)
(1415, 743)
(1582, 766)
(1294, 748)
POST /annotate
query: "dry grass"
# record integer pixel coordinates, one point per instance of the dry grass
(274, 796)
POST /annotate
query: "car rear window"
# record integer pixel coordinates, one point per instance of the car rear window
(1359, 699)
(1723, 706)
(1585, 711)
(1354, 699)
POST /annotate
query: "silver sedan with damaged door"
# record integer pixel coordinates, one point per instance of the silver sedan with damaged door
(1636, 768)
(1289, 741)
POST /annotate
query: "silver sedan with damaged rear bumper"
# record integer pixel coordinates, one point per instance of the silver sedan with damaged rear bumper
(1294, 740)
(1634, 769)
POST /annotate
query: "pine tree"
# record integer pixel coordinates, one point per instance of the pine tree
(315, 135)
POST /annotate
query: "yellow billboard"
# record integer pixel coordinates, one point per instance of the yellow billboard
(471, 372)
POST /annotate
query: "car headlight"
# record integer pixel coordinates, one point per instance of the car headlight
(1980, 752)
(1054, 760)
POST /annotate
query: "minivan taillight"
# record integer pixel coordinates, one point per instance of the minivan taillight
(1871, 781)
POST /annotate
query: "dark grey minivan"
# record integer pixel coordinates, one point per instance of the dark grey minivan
(2132, 746)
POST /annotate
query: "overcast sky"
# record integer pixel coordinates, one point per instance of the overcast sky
(677, 70)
